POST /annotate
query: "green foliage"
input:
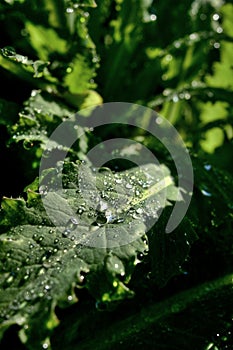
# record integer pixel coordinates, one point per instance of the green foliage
(58, 57)
(51, 261)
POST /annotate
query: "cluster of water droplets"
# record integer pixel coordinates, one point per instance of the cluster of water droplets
(10, 53)
(41, 260)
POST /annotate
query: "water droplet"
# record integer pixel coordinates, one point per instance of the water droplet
(120, 220)
(219, 30)
(115, 284)
(177, 44)
(139, 211)
(81, 210)
(8, 51)
(69, 70)
(15, 305)
(82, 19)
(70, 226)
(153, 17)
(27, 296)
(217, 45)
(193, 36)
(159, 120)
(101, 219)
(69, 298)
(69, 10)
(175, 98)
(206, 193)
(187, 96)
(43, 190)
(110, 218)
(10, 279)
(34, 93)
(102, 206)
(203, 16)
(27, 144)
(45, 346)
(140, 256)
(207, 167)
(216, 17)
(47, 153)
(128, 185)
(118, 181)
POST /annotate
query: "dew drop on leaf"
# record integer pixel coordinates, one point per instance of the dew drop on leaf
(140, 256)
(120, 220)
(128, 186)
(8, 51)
(206, 193)
(10, 279)
(43, 190)
(207, 167)
(27, 144)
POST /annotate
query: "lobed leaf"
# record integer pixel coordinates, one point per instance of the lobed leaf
(42, 263)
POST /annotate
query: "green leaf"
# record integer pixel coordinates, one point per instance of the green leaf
(79, 79)
(168, 252)
(41, 115)
(45, 41)
(25, 68)
(41, 264)
(223, 74)
(39, 118)
(163, 323)
(215, 189)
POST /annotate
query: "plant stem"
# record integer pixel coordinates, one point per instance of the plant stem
(122, 330)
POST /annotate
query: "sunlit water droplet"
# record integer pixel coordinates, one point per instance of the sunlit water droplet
(153, 17)
(207, 167)
(71, 226)
(175, 98)
(128, 186)
(216, 17)
(206, 193)
(8, 51)
(27, 144)
(217, 45)
(69, 10)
